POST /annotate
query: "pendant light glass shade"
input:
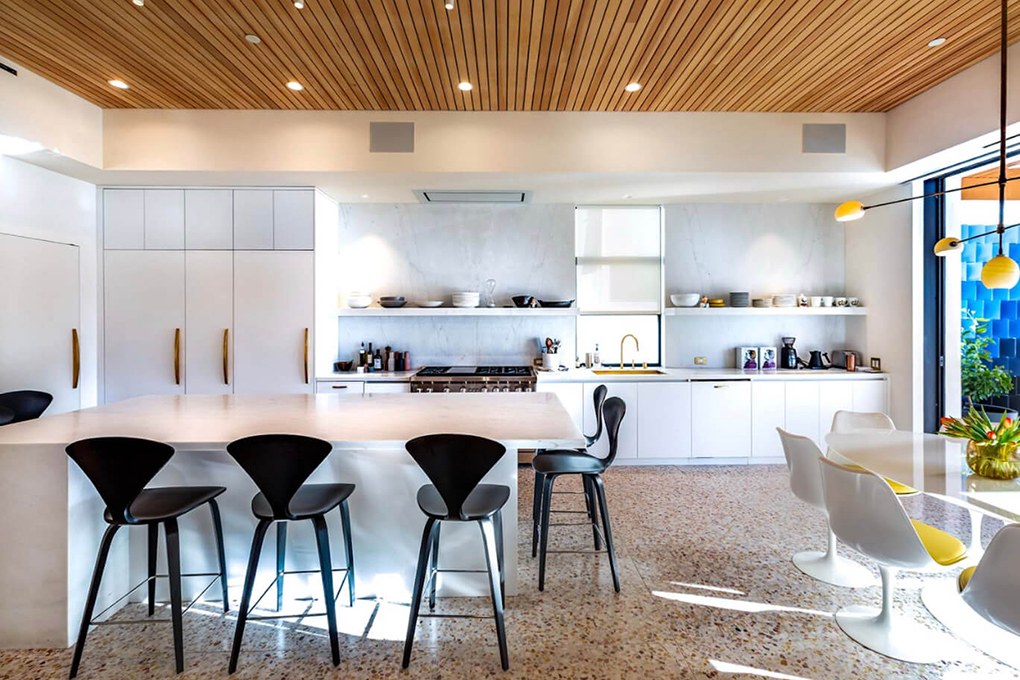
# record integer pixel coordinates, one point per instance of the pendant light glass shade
(948, 245)
(850, 211)
(1000, 272)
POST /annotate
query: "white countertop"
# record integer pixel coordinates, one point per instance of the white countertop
(377, 376)
(521, 420)
(669, 375)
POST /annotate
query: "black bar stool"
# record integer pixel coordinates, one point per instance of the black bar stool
(119, 468)
(279, 464)
(25, 404)
(553, 464)
(599, 397)
(456, 463)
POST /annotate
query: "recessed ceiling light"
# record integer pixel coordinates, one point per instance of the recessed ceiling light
(936, 42)
(465, 86)
(139, 3)
(449, 5)
(632, 87)
(299, 4)
(295, 85)
(253, 39)
(119, 84)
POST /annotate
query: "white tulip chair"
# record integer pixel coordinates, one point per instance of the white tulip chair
(852, 422)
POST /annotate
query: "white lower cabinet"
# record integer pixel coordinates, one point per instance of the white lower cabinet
(339, 387)
(833, 395)
(768, 411)
(664, 420)
(571, 395)
(372, 387)
(871, 396)
(627, 446)
(721, 419)
(802, 409)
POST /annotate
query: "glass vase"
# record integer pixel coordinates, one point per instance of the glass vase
(995, 461)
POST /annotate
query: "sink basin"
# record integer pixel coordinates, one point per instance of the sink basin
(629, 371)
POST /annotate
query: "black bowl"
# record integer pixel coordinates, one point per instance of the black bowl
(522, 300)
(555, 303)
(390, 303)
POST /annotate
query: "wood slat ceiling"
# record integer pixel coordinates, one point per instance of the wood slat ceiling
(520, 55)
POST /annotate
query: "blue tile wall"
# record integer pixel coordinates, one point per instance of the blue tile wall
(1000, 307)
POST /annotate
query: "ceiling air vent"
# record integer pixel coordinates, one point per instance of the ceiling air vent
(823, 138)
(435, 197)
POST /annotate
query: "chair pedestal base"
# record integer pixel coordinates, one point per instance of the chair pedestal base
(943, 600)
(895, 636)
(829, 567)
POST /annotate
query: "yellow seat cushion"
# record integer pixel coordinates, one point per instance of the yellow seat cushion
(898, 489)
(944, 548)
(964, 577)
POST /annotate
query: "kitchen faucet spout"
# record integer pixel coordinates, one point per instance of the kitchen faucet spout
(637, 346)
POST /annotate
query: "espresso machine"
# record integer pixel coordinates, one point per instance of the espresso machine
(788, 355)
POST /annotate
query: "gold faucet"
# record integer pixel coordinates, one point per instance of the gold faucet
(637, 346)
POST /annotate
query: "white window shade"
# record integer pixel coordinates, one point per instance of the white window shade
(617, 232)
(618, 286)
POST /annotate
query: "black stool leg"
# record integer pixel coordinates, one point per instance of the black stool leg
(249, 582)
(601, 489)
(326, 567)
(214, 508)
(536, 512)
(173, 563)
(345, 520)
(153, 530)
(281, 561)
(498, 531)
(593, 510)
(90, 601)
(546, 501)
(495, 587)
(433, 565)
(419, 585)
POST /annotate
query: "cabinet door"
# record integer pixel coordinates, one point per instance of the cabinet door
(871, 396)
(253, 219)
(372, 387)
(627, 447)
(144, 303)
(721, 419)
(209, 292)
(273, 316)
(571, 395)
(293, 219)
(340, 387)
(802, 409)
(164, 219)
(123, 219)
(833, 395)
(664, 420)
(768, 411)
(38, 311)
(208, 219)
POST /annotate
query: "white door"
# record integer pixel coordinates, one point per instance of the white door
(293, 219)
(664, 420)
(144, 324)
(123, 219)
(833, 395)
(209, 292)
(253, 219)
(802, 409)
(164, 219)
(208, 219)
(627, 447)
(38, 312)
(768, 411)
(571, 396)
(273, 331)
(871, 396)
(721, 419)
(372, 387)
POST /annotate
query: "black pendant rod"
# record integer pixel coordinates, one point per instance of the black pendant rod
(943, 192)
(1003, 45)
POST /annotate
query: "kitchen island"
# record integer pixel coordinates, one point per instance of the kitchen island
(51, 519)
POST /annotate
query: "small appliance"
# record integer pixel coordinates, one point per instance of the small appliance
(788, 355)
(816, 362)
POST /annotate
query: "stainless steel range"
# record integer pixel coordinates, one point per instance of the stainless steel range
(474, 379)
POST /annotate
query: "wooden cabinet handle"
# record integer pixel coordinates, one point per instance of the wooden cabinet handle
(720, 387)
(75, 358)
(177, 356)
(226, 345)
(306, 356)
(339, 387)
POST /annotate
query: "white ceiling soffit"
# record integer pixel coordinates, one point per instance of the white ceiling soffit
(444, 196)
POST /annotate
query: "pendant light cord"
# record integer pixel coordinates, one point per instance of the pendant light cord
(1003, 45)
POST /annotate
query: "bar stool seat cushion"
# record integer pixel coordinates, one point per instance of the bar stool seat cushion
(163, 503)
(565, 461)
(964, 578)
(944, 548)
(482, 502)
(309, 501)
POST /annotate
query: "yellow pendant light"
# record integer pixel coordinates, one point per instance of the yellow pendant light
(1000, 272)
(850, 211)
(948, 245)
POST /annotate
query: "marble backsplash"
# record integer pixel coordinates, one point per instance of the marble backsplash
(716, 337)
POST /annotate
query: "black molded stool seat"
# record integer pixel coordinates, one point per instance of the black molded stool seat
(6, 415)
(309, 501)
(163, 503)
(566, 461)
(484, 501)
(25, 404)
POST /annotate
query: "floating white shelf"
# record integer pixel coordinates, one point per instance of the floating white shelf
(459, 311)
(765, 311)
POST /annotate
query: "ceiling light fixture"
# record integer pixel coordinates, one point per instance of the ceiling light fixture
(119, 84)
(465, 86)
(448, 5)
(295, 85)
(999, 272)
(299, 4)
(936, 42)
(139, 3)
(633, 87)
(253, 39)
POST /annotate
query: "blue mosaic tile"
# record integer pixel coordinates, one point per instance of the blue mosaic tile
(984, 293)
(968, 292)
(1007, 347)
(999, 327)
(1014, 328)
(1008, 309)
(1000, 294)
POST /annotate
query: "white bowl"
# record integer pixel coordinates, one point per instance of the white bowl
(429, 303)
(359, 301)
(465, 303)
(685, 299)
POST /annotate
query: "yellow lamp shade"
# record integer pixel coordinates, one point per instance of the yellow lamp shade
(1000, 272)
(948, 245)
(850, 211)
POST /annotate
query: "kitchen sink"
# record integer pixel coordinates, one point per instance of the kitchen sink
(629, 371)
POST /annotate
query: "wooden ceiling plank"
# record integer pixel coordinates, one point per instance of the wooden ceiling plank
(573, 60)
(523, 50)
(513, 42)
(493, 85)
(334, 71)
(400, 51)
(619, 33)
(561, 36)
(479, 39)
(442, 45)
(534, 47)
(416, 26)
(584, 55)
(462, 15)
(359, 64)
(600, 51)
(502, 52)
(688, 45)
(545, 39)
(377, 68)
(645, 24)
(463, 70)
(658, 34)
(387, 54)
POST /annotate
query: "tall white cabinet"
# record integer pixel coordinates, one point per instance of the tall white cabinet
(209, 320)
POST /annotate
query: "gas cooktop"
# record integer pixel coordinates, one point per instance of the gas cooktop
(473, 371)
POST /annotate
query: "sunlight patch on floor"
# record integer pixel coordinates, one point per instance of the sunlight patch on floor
(736, 605)
(725, 667)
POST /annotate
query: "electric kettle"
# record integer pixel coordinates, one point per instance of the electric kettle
(816, 359)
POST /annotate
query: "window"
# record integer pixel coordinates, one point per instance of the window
(619, 281)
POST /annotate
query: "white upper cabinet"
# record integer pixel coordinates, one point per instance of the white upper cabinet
(123, 219)
(663, 416)
(768, 411)
(208, 219)
(253, 219)
(164, 219)
(293, 219)
(721, 419)
(871, 396)
(802, 409)
(209, 293)
(627, 445)
(833, 395)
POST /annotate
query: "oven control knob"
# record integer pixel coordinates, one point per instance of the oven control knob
(518, 389)
(463, 389)
(428, 389)
(446, 389)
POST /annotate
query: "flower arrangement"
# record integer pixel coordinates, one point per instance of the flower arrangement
(991, 449)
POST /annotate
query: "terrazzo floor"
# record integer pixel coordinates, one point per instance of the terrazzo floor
(708, 591)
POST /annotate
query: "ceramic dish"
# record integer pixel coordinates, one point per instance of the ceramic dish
(555, 303)
(522, 300)
(359, 301)
(429, 303)
(685, 299)
(390, 304)
(761, 302)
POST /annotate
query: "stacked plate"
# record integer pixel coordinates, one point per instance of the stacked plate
(466, 299)
(716, 302)
(761, 302)
(784, 300)
(740, 299)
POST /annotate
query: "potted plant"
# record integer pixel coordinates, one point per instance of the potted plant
(991, 449)
(981, 379)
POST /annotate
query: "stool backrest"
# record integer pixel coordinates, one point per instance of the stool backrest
(26, 404)
(848, 422)
(865, 514)
(992, 591)
(613, 411)
(119, 468)
(802, 456)
(455, 464)
(279, 464)
(599, 397)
